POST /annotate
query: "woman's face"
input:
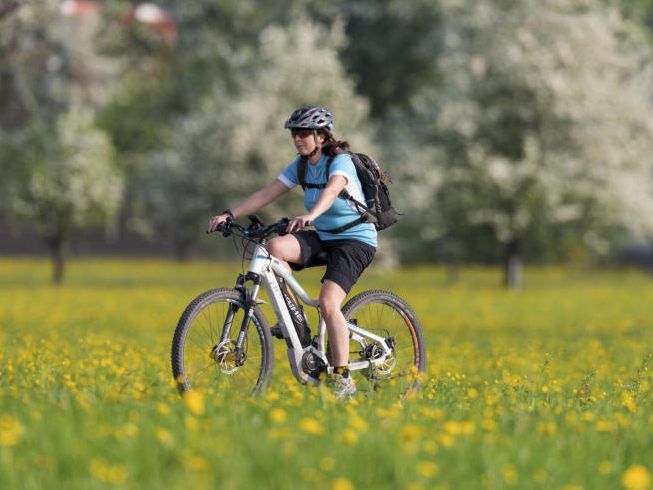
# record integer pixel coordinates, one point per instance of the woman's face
(304, 141)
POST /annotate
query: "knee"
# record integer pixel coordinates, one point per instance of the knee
(275, 247)
(329, 305)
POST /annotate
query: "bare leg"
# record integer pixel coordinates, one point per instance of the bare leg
(331, 297)
(285, 248)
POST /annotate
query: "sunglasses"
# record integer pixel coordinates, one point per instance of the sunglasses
(302, 133)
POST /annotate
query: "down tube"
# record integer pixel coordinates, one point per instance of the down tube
(281, 271)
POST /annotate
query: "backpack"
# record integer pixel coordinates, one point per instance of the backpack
(377, 208)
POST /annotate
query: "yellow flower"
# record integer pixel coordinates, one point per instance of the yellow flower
(588, 416)
(311, 426)
(164, 436)
(349, 437)
(162, 408)
(342, 484)
(603, 426)
(468, 427)
(106, 473)
(427, 469)
(447, 440)
(194, 401)
(410, 433)
(453, 427)
(636, 477)
(546, 428)
(509, 474)
(11, 430)
(277, 415)
(272, 396)
(628, 401)
(281, 433)
(196, 463)
(358, 423)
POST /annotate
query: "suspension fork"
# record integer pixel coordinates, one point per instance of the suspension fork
(233, 308)
(250, 304)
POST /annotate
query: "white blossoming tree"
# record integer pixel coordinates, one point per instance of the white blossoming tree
(58, 168)
(72, 181)
(546, 119)
(235, 142)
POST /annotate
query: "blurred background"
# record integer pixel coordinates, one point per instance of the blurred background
(515, 131)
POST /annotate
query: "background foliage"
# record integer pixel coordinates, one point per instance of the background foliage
(511, 128)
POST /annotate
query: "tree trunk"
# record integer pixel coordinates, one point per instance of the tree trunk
(513, 265)
(55, 244)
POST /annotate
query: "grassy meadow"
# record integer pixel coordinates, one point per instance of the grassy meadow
(548, 387)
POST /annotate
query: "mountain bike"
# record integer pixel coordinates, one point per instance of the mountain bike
(223, 341)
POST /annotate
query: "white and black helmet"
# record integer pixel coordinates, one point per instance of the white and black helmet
(310, 117)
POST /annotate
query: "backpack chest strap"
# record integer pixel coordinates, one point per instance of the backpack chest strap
(302, 168)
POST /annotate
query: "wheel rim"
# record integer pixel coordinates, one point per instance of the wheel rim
(210, 365)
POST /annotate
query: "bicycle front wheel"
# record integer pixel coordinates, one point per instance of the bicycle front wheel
(387, 315)
(204, 355)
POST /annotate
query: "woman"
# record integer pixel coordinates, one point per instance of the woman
(348, 252)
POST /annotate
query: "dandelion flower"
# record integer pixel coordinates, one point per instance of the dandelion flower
(636, 477)
(311, 426)
(194, 401)
(342, 484)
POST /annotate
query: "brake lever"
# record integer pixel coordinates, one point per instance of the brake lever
(255, 219)
(283, 226)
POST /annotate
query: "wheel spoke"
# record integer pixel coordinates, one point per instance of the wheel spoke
(205, 360)
(382, 313)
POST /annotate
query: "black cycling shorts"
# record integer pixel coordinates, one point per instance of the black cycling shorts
(345, 259)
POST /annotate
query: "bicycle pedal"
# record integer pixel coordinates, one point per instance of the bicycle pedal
(276, 332)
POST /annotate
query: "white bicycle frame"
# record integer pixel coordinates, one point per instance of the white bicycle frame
(269, 268)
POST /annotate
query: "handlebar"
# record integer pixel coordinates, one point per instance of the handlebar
(257, 230)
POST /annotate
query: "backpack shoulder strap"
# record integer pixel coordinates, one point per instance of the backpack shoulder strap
(301, 174)
(301, 171)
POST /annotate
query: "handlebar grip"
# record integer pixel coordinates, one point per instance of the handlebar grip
(223, 227)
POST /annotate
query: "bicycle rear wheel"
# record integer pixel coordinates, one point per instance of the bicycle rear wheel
(203, 354)
(387, 315)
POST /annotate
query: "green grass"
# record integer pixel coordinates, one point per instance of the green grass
(546, 387)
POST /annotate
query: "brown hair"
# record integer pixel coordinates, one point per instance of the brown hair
(331, 147)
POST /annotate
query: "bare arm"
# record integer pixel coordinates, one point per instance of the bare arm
(335, 185)
(253, 203)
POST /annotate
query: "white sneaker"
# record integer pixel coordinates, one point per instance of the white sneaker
(344, 387)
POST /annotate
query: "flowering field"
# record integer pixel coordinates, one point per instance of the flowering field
(549, 387)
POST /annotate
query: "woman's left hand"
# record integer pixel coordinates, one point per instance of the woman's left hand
(300, 222)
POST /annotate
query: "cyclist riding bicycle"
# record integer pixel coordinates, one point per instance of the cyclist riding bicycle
(348, 251)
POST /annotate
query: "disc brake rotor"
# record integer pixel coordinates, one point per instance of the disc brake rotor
(383, 368)
(225, 355)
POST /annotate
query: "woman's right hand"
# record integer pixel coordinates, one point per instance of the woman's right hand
(217, 221)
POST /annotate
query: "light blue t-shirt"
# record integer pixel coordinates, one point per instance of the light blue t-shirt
(341, 211)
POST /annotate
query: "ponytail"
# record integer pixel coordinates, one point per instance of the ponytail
(332, 147)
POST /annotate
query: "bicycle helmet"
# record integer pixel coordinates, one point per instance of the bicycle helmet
(310, 117)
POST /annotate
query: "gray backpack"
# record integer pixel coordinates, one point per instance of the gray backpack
(377, 207)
